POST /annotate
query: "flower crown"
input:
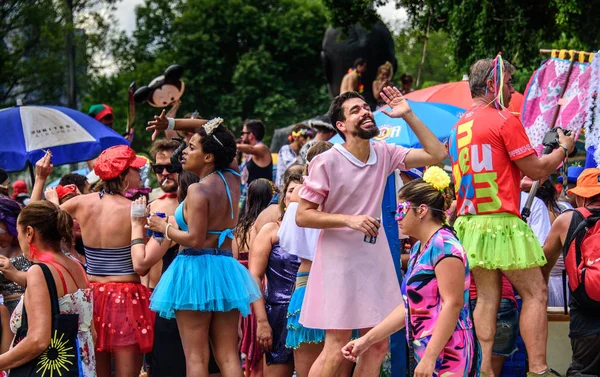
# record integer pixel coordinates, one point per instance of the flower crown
(437, 178)
(302, 132)
(210, 126)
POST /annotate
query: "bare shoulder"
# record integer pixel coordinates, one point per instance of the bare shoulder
(270, 214)
(270, 229)
(563, 220)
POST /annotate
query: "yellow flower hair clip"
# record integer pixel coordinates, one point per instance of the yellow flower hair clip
(437, 178)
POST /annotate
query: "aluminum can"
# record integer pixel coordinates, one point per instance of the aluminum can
(372, 239)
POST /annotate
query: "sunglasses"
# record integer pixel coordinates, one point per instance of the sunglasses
(158, 169)
(2, 231)
(402, 210)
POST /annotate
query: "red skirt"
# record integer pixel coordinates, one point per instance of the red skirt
(122, 316)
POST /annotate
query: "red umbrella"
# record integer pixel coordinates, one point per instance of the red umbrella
(457, 94)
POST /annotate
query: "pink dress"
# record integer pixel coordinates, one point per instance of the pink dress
(352, 283)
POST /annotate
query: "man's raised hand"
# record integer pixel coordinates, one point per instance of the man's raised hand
(396, 101)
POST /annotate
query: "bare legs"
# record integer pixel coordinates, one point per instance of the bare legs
(489, 283)
(534, 321)
(305, 356)
(128, 362)
(331, 363)
(194, 328)
(278, 370)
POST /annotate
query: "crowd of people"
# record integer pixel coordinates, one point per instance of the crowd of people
(235, 270)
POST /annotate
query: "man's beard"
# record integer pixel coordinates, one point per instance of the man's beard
(366, 134)
(168, 188)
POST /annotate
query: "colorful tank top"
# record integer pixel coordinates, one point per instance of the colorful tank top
(420, 286)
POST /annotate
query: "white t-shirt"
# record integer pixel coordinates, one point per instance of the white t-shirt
(297, 241)
(539, 220)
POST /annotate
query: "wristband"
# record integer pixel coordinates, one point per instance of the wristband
(564, 147)
(137, 241)
(167, 232)
(171, 125)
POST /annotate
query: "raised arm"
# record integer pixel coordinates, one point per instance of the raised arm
(43, 168)
(161, 122)
(433, 151)
(258, 150)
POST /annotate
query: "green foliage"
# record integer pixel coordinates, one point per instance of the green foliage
(346, 13)
(33, 57)
(242, 59)
(478, 29)
(438, 65)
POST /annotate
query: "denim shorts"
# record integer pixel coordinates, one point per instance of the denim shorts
(507, 328)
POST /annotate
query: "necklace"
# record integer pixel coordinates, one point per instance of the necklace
(206, 176)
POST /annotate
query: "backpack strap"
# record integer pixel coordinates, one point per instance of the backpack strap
(576, 220)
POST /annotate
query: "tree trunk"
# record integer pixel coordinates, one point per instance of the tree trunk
(71, 77)
(424, 47)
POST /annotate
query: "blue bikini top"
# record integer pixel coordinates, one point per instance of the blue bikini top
(227, 233)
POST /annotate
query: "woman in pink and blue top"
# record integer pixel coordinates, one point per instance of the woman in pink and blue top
(435, 288)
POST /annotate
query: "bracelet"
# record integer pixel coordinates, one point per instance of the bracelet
(171, 125)
(167, 232)
(564, 147)
(137, 241)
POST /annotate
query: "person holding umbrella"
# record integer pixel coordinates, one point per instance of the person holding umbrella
(125, 324)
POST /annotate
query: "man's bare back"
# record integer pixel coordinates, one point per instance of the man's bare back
(349, 82)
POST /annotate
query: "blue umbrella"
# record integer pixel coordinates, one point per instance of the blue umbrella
(27, 131)
(439, 118)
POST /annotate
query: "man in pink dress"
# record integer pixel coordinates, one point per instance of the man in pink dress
(352, 283)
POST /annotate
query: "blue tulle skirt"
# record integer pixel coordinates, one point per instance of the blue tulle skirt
(296, 333)
(208, 280)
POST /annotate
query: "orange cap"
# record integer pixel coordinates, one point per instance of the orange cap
(588, 184)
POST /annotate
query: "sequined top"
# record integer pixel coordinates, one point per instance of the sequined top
(281, 275)
(10, 288)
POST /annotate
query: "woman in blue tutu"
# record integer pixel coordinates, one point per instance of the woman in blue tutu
(205, 288)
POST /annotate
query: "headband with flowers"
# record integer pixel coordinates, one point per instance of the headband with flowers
(301, 132)
(210, 126)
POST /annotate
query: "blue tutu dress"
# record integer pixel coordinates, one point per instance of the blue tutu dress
(208, 280)
(296, 333)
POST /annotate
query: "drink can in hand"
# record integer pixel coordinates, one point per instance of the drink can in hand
(138, 210)
(158, 236)
(372, 239)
